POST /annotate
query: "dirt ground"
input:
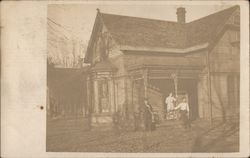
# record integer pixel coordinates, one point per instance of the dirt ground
(73, 136)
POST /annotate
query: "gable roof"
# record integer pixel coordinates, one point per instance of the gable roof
(142, 32)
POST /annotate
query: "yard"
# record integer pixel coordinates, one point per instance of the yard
(73, 136)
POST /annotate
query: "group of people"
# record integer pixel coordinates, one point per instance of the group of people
(145, 117)
(183, 108)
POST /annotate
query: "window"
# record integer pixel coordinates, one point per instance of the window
(103, 96)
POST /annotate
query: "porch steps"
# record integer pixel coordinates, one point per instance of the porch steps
(156, 100)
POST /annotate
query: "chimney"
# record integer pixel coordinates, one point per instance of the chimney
(181, 18)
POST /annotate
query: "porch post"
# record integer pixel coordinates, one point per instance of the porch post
(175, 79)
(87, 106)
(209, 87)
(96, 97)
(115, 94)
(132, 94)
(111, 95)
(145, 81)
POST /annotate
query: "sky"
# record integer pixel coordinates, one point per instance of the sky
(76, 20)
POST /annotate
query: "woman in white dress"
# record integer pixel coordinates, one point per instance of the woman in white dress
(170, 102)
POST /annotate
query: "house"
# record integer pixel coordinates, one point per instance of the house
(134, 58)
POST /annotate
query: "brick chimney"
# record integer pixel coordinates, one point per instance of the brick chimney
(181, 17)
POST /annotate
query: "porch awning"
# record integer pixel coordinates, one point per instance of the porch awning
(168, 63)
(163, 68)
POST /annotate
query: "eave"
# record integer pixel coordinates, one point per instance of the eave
(131, 49)
(92, 39)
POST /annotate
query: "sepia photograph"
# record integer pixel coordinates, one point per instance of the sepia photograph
(143, 78)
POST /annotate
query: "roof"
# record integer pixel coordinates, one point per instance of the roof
(204, 29)
(143, 32)
(133, 31)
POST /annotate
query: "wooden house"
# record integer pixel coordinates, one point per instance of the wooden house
(133, 58)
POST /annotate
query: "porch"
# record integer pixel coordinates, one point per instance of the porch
(156, 82)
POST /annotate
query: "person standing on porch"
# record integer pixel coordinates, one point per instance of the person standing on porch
(170, 102)
(184, 111)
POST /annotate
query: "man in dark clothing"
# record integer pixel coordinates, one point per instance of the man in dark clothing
(136, 121)
(117, 121)
(148, 115)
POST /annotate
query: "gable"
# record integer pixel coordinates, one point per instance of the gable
(101, 43)
(225, 56)
(99, 49)
(206, 29)
(235, 18)
(229, 25)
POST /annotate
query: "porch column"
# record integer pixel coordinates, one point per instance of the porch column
(134, 107)
(209, 87)
(145, 81)
(132, 93)
(88, 108)
(174, 76)
(111, 95)
(96, 97)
